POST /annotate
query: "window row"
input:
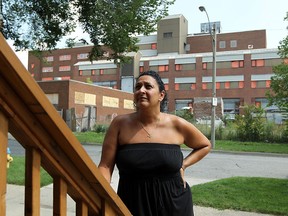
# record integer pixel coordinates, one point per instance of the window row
(56, 78)
(112, 71)
(233, 44)
(109, 84)
(209, 65)
(66, 57)
(60, 69)
(233, 64)
(220, 85)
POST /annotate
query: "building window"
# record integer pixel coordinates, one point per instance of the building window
(109, 84)
(64, 57)
(261, 84)
(82, 56)
(49, 58)
(182, 103)
(268, 83)
(65, 68)
(241, 84)
(176, 86)
(261, 102)
(233, 43)
(231, 107)
(163, 68)
(167, 35)
(141, 69)
(178, 67)
(154, 46)
(222, 44)
(204, 86)
(47, 69)
(257, 63)
(166, 86)
(234, 84)
(237, 64)
(204, 65)
(107, 71)
(85, 72)
(185, 86)
(227, 85)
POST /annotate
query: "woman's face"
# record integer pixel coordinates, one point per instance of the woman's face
(147, 92)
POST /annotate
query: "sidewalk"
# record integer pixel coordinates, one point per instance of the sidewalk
(15, 202)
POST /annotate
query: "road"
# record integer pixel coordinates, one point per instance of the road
(216, 165)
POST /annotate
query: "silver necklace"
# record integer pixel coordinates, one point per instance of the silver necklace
(148, 134)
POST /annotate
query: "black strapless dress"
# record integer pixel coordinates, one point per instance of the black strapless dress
(150, 183)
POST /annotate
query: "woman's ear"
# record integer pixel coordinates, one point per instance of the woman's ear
(162, 95)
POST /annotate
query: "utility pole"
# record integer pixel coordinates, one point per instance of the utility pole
(214, 98)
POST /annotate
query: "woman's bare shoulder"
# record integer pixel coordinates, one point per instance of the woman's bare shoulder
(172, 118)
(120, 119)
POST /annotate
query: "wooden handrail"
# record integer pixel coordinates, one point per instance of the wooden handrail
(28, 115)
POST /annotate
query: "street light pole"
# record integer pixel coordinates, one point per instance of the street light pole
(214, 98)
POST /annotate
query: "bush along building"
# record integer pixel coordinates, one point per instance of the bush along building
(184, 61)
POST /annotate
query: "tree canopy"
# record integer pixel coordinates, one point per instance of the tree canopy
(279, 81)
(41, 24)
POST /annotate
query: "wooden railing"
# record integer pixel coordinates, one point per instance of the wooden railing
(27, 114)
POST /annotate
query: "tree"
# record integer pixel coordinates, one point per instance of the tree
(41, 24)
(279, 81)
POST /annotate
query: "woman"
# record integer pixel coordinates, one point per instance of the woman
(145, 146)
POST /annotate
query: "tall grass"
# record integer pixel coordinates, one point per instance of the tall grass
(270, 132)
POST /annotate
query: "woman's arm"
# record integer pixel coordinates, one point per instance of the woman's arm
(194, 139)
(109, 148)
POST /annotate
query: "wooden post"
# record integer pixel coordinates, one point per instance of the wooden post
(3, 162)
(81, 208)
(32, 182)
(59, 197)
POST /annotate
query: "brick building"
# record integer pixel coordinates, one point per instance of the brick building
(82, 105)
(184, 61)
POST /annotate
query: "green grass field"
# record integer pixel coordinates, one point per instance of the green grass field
(263, 195)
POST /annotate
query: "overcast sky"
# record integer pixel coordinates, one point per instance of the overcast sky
(234, 16)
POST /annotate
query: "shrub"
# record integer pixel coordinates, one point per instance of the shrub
(100, 128)
(250, 126)
(185, 114)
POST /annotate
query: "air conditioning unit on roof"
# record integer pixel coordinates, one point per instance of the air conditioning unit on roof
(250, 46)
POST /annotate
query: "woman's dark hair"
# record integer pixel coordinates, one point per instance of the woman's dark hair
(161, 86)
